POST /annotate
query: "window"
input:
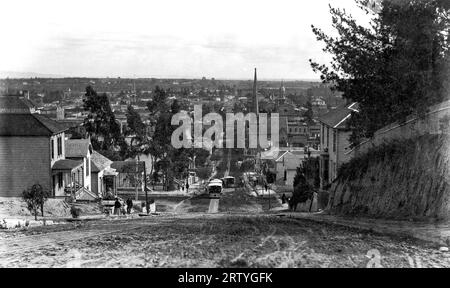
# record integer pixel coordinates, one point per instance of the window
(334, 140)
(87, 166)
(53, 148)
(328, 137)
(59, 146)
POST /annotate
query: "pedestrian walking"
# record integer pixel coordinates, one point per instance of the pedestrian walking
(147, 206)
(117, 206)
(129, 205)
(283, 198)
(187, 187)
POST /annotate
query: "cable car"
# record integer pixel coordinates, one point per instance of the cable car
(215, 188)
(228, 182)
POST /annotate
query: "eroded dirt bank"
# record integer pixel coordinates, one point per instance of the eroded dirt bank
(403, 179)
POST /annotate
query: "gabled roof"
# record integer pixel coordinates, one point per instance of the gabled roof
(66, 164)
(78, 148)
(13, 105)
(51, 124)
(99, 162)
(28, 125)
(280, 156)
(338, 117)
(17, 120)
(29, 103)
(271, 154)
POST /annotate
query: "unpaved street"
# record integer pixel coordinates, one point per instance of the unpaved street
(201, 240)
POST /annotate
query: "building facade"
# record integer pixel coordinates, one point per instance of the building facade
(31, 147)
(334, 143)
(34, 150)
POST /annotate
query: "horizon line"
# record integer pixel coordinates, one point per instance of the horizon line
(30, 75)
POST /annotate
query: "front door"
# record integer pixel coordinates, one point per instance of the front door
(54, 181)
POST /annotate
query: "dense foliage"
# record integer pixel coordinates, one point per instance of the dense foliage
(102, 127)
(397, 66)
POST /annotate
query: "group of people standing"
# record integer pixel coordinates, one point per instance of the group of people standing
(118, 209)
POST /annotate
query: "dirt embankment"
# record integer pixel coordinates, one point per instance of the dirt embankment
(403, 179)
(15, 207)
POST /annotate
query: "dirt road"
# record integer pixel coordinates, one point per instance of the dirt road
(239, 235)
(201, 240)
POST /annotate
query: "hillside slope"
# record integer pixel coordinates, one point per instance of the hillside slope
(402, 179)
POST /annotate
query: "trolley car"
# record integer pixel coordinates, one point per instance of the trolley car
(215, 188)
(228, 182)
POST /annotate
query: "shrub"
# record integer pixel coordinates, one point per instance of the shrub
(75, 211)
(35, 197)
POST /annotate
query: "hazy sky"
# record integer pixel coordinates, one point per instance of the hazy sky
(169, 38)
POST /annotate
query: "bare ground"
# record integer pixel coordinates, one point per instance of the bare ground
(199, 240)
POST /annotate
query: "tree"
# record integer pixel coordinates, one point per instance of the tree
(137, 131)
(35, 197)
(101, 125)
(204, 172)
(159, 102)
(247, 165)
(310, 169)
(160, 147)
(395, 67)
(303, 191)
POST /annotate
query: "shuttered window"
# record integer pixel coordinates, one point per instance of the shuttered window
(59, 146)
(53, 148)
(334, 140)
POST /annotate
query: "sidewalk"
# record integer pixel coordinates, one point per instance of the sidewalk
(436, 233)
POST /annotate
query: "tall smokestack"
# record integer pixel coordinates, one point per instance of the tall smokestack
(255, 96)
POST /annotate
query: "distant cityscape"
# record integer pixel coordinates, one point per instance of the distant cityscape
(62, 99)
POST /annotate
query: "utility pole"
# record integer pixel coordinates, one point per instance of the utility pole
(145, 187)
(136, 178)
